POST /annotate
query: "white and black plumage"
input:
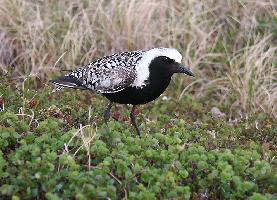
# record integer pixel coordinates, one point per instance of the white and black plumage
(135, 77)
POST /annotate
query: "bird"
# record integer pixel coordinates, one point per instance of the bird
(134, 77)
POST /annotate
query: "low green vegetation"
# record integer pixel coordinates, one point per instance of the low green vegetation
(55, 146)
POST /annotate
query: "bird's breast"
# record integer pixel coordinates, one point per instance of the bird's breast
(135, 96)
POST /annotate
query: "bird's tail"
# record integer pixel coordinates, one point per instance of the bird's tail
(68, 82)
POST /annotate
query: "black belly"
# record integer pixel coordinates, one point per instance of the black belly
(135, 96)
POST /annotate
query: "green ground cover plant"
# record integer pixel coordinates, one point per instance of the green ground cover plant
(54, 145)
(46, 153)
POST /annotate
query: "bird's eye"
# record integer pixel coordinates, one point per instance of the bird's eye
(167, 59)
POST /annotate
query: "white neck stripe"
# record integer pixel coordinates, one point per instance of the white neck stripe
(142, 68)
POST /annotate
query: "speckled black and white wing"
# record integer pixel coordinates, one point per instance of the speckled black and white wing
(105, 75)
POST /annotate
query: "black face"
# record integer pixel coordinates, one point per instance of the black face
(166, 66)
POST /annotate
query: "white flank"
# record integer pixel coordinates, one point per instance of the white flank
(142, 69)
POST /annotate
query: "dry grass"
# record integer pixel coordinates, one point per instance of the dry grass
(229, 44)
(253, 77)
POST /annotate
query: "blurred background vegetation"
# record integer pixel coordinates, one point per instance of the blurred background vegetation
(231, 45)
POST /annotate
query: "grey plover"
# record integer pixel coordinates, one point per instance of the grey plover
(135, 77)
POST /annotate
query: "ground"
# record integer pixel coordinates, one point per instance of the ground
(55, 145)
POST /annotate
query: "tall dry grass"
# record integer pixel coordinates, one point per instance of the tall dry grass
(229, 44)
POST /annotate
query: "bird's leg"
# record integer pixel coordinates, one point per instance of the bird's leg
(133, 120)
(107, 113)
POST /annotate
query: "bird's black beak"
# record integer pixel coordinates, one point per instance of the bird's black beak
(183, 69)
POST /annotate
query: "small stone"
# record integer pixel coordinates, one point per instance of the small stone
(197, 124)
(166, 98)
(216, 113)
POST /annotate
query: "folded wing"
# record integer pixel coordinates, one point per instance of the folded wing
(107, 75)
(110, 80)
